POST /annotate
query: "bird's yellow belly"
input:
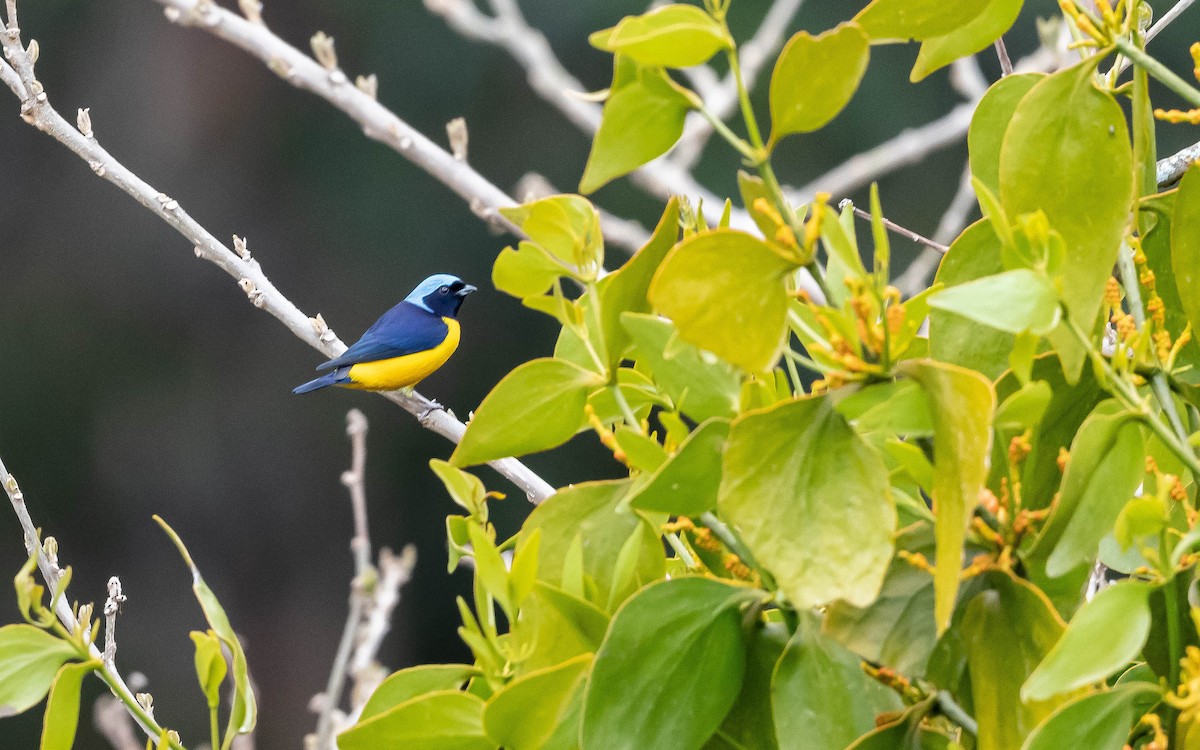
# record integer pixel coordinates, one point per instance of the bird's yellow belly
(405, 371)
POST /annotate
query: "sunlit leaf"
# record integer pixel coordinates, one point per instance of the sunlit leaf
(524, 713)
(537, 406)
(899, 20)
(701, 385)
(990, 120)
(686, 485)
(1013, 301)
(441, 720)
(961, 403)
(815, 77)
(62, 708)
(677, 36)
(1100, 721)
(996, 18)
(410, 683)
(811, 500)
(1105, 635)
(725, 291)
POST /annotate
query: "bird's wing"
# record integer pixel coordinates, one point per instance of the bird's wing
(405, 329)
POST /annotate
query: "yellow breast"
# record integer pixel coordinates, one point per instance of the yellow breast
(406, 371)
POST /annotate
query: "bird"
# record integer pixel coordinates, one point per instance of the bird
(406, 345)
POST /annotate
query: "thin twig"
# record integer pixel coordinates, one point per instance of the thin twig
(897, 229)
(394, 571)
(360, 586)
(262, 293)
(1006, 66)
(112, 607)
(956, 713)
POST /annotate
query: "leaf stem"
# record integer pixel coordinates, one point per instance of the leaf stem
(1128, 396)
(730, 539)
(213, 727)
(1174, 642)
(680, 550)
(1156, 69)
(1158, 380)
(630, 418)
(723, 130)
(955, 713)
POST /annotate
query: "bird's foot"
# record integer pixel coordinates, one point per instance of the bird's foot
(430, 409)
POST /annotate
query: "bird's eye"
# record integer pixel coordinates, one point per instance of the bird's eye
(444, 290)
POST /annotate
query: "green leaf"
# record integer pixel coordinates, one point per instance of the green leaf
(897, 628)
(442, 720)
(677, 36)
(686, 485)
(590, 511)
(1106, 466)
(684, 633)
(1101, 721)
(29, 659)
(524, 713)
(567, 227)
(403, 686)
(1013, 302)
(900, 20)
(244, 711)
(642, 452)
(750, 723)
(820, 695)
(1024, 409)
(641, 121)
(701, 386)
(954, 338)
(725, 292)
(1185, 245)
(624, 290)
(961, 403)
(1006, 630)
(815, 77)
(465, 489)
(489, 567)
(1059, 132)
(62, 709)
(1105, 635)
(537, 406)
(895, 407)
(936, 52)
(210, 665)
(990, 120)
(811, 500)
(525, 272)
(554, 627)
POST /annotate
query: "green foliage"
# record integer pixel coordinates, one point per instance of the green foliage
(837, 531)
(29, 661)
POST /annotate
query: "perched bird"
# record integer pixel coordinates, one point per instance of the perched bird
(404, 346)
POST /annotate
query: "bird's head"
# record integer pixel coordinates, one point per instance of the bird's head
(441, 294)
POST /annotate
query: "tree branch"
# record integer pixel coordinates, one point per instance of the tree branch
(916, 277)
(36, 110)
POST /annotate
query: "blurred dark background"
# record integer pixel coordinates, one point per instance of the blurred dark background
(135, 379)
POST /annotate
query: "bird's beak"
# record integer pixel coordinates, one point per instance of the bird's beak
(465, 291)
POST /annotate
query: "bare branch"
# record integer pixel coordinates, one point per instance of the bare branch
(52, 575)
(377, 121)
(1171, 169)
(1167, 18)
(895, 228)
(1006, 66)
(362, 588)
(247, 271)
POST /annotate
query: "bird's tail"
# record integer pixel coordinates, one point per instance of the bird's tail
(333, 378)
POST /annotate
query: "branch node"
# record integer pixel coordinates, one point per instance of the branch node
(337, 77)
(112, 607)
(279, 67)
(84, 121)
(322, 47)
(456, 130)
(239, 246)
(33, 50)
(97, 167)
(251, 9)
(252, 292)
(146, 701)
(369, 85)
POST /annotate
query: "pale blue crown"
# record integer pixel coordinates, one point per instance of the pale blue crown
(429, 286)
